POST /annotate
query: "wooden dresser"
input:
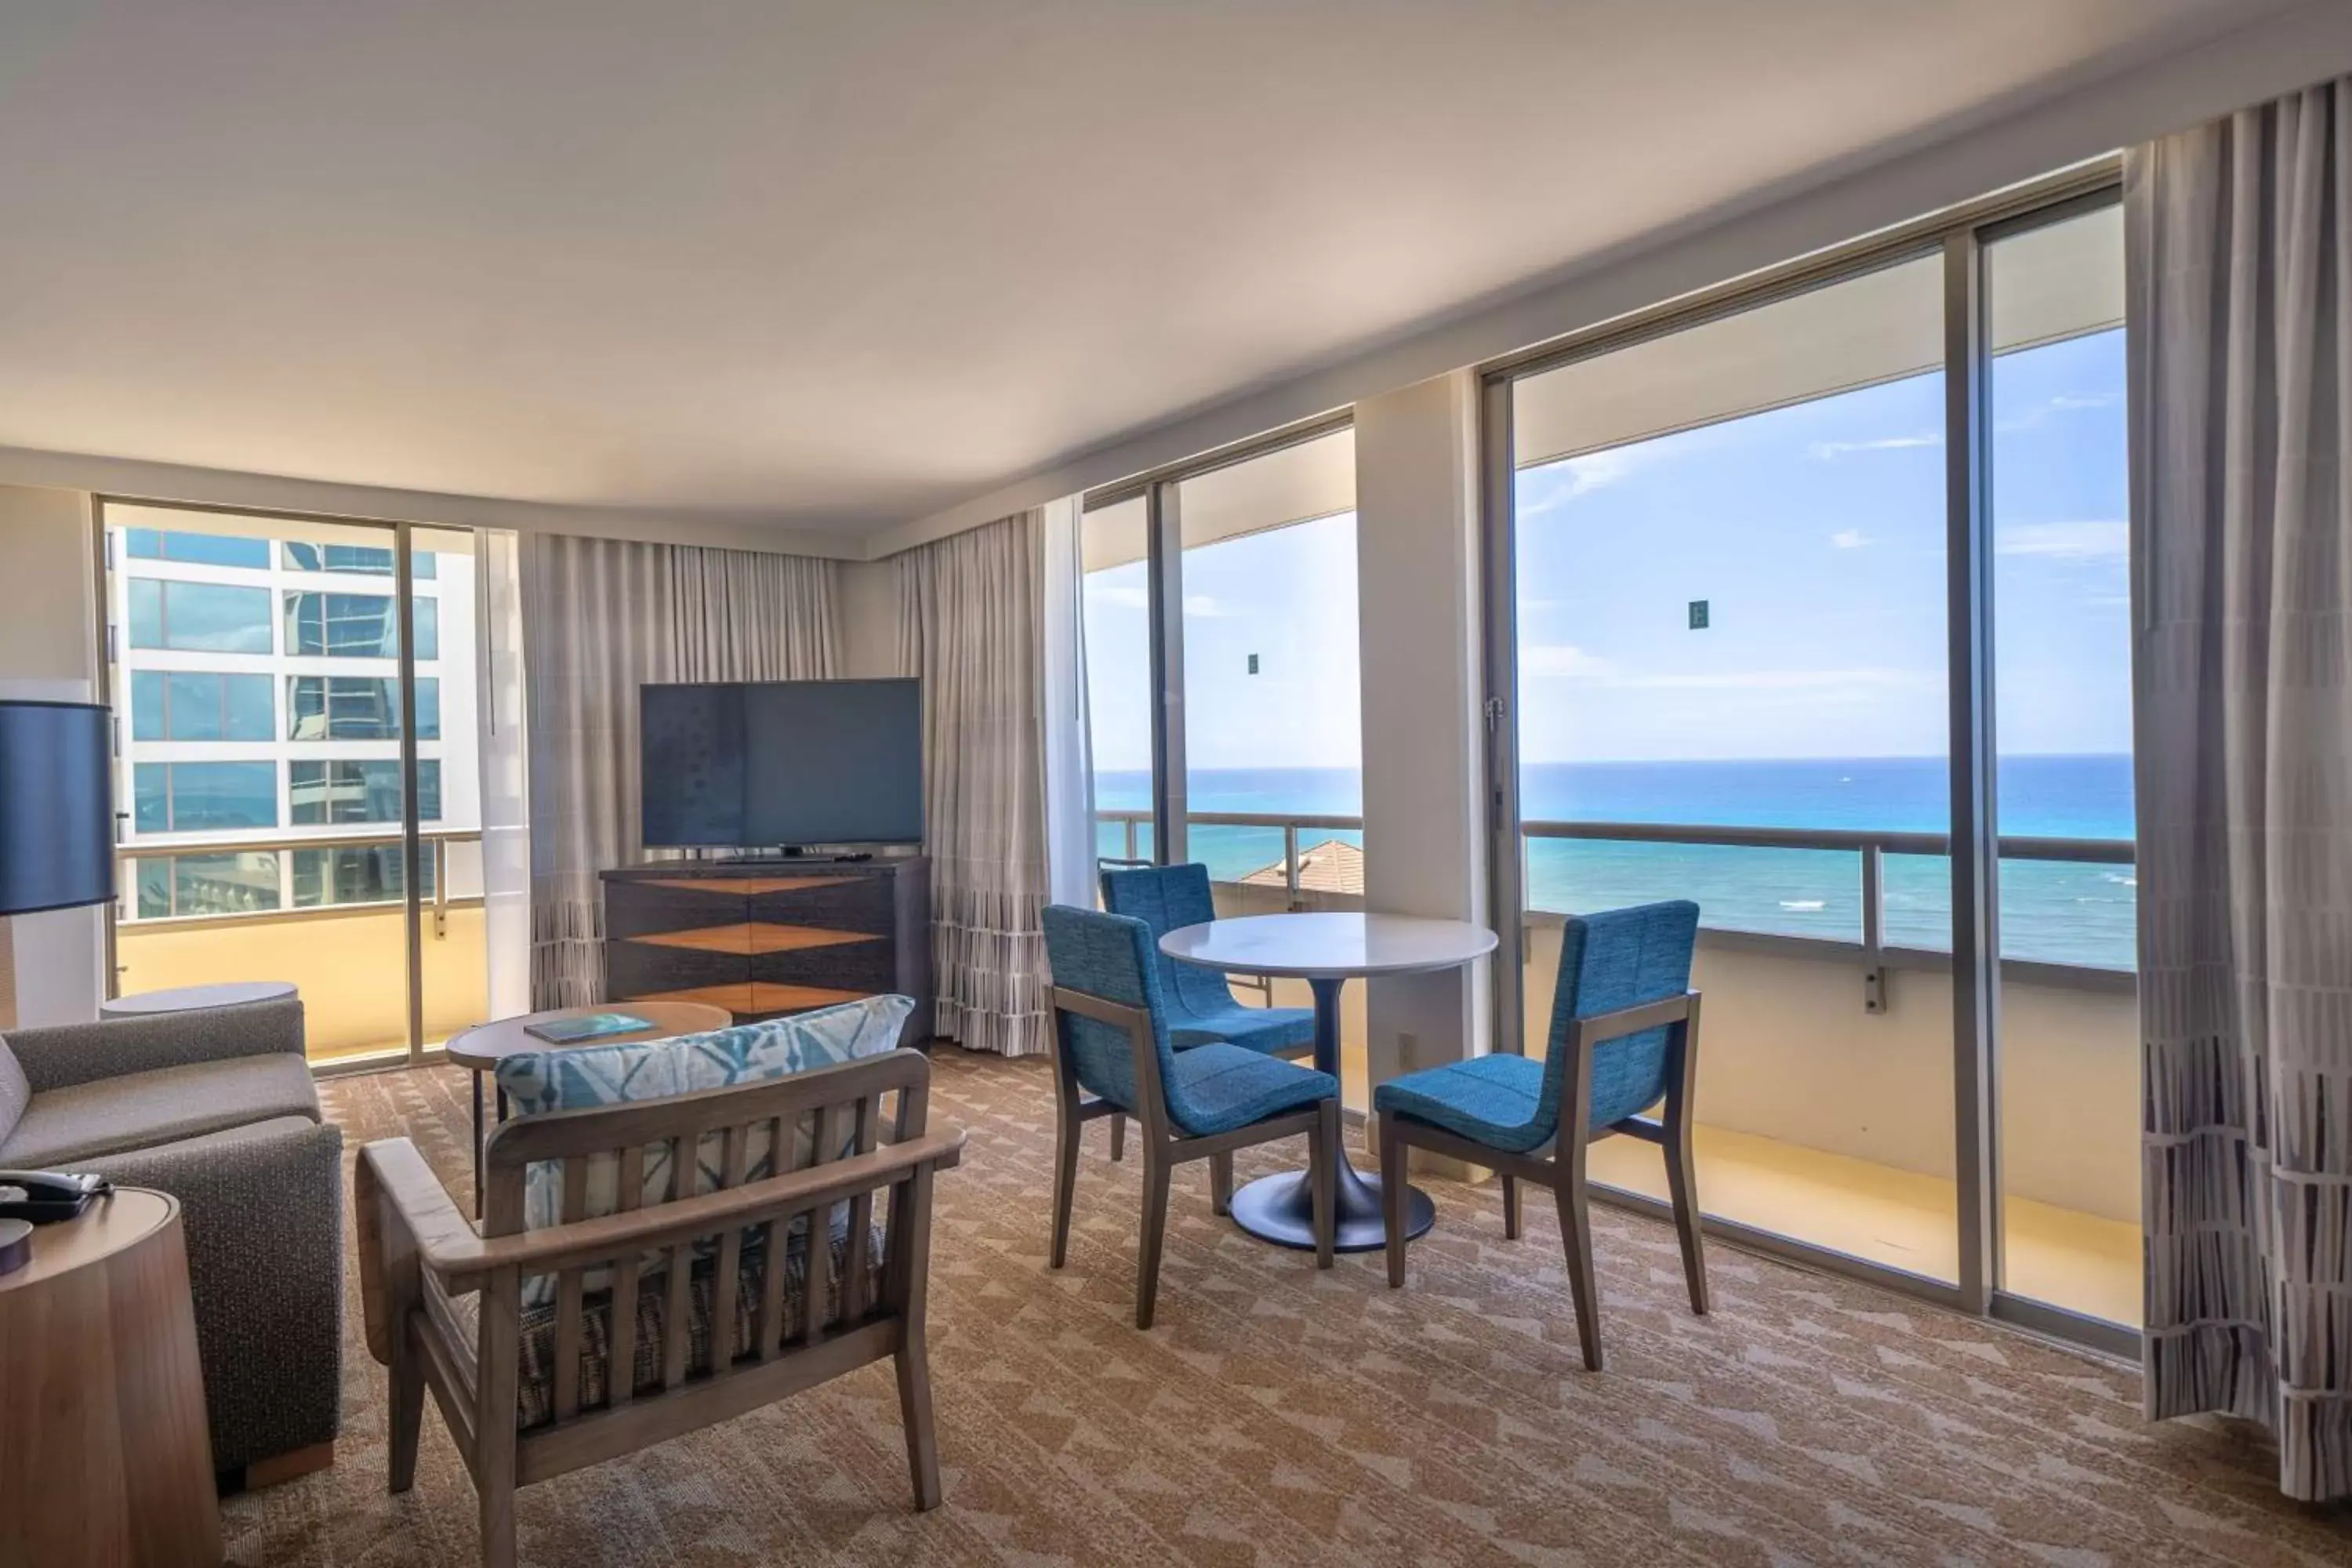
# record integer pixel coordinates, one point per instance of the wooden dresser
(765, 937)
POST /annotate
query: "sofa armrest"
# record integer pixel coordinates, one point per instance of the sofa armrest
(63, 1055)
(262, 1213)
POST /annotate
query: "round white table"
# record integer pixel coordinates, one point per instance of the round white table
(1326, 950)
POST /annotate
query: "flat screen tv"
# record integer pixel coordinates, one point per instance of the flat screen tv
(782, 764)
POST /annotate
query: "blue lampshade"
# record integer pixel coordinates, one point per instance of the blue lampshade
(57, 807)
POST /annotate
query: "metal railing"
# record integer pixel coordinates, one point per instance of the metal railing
(1872, 845)
(436, 842)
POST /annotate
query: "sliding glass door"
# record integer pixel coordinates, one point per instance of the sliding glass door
(1730, 644)
(297, 768)
(1223, 684)
(1808, 602)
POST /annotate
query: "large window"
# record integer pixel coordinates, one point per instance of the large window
(196, 549)
(197, 618)
(1803, 627)
(200, 705)
(353, 874)
(356, 791)
(356, 560)
(358, 626)
(204, 798)
(357, 708)
(180, 886)
(1117, 604)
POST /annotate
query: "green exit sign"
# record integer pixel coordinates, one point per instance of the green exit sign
(1698, 615)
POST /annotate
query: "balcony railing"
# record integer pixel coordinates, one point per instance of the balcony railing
(435, 844)
(1873, 847)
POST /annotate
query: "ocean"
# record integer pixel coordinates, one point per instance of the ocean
(2050, 911)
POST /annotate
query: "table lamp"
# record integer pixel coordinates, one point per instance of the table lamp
(57, 807)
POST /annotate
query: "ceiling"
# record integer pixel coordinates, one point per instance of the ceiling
(838, 265)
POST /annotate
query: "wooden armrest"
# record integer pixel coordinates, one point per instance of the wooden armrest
(391, 1175)
(1605, 1027)
(461, 1257)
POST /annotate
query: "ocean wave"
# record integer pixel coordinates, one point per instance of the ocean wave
(2119, 879)
(1804, 903)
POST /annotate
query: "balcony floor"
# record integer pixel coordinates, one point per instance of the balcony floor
(2079, 1261)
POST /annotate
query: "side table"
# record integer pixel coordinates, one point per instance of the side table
(110, 1459)
(188, 998)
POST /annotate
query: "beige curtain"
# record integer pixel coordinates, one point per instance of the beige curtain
(602, 618)
(2240, 261)
(971, 624)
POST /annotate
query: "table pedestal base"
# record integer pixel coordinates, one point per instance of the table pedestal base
(1281, 1209)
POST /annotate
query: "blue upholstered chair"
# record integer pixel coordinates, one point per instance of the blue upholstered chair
(1201, 1005)
(1624, 1035)
(1112, 1041)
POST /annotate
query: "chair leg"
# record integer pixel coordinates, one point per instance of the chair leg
(1682, 1185)
(1576, 1240)
(1118, 1136)
(1221, 1184)
(915, 1412)
(1510, 1208)
(1155, 1230)
(406, 1416)
(1393, 1197)
(494, 1483)
(1323, 1174)
(1065, 1187)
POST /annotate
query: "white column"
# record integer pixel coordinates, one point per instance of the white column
(1424, 765)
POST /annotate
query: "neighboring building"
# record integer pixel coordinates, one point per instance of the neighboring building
(257, 699)
(1334, 866)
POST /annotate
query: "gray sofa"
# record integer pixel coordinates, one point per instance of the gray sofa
(216, 1108)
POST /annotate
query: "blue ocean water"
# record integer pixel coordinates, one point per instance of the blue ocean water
(2053, 911)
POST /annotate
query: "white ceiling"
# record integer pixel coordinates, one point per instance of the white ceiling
(837, 265)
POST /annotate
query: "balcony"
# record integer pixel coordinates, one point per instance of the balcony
(348, 958)
(1827, 1092)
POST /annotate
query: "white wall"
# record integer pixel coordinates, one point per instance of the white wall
(870, 618)
(1417, 602)
(48, 649)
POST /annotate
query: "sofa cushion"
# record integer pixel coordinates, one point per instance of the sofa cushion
(14, 1092)
(539, 1081)
(141, 1110)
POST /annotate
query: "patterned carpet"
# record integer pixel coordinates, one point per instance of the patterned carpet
(1277, 1415)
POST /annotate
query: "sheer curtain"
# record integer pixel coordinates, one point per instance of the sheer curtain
(971, 614)
(601, 617)
(2240, 261)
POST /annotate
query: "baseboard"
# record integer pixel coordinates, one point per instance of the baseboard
(278, 1467)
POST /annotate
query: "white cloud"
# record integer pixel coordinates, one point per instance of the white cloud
(1829, 451)
(1203, 607)
(1575, 477)
(1849, 539)
(2086, 400)
(2101, 539)
(1563, 659)
(1119, 596)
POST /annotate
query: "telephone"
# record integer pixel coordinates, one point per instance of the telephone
(42, 1197)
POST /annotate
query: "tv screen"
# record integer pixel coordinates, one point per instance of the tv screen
(765, 764)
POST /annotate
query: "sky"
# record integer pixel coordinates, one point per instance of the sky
(1814, 534)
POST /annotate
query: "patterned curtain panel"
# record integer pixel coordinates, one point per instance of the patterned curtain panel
(971, 624)
(601, 617)
(2240, 261)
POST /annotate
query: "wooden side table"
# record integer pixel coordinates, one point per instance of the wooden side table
(110, 1459)
(480, 1049)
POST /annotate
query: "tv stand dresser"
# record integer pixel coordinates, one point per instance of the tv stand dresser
(764, 938)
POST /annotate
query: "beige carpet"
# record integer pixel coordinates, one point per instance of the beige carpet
(1277, 1415)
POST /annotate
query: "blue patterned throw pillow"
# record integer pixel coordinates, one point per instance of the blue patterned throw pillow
(567, 1079)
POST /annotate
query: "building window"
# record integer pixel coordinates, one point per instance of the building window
(354, 875)
(346, 791)
(200, 705)
(196, 549)
(357, 625)
(360, 560)
(202, 797)
(172, 886)
(198, 617)
(357, 708)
